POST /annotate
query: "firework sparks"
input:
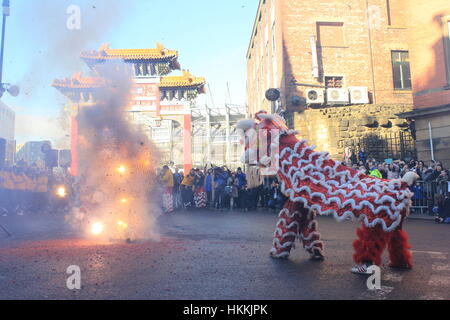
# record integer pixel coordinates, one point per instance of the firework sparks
(116, 170)
(122, 169)
(122, 224)
(97, 228)
(61, 192)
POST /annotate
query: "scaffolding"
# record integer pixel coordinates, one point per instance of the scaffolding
(215, 140)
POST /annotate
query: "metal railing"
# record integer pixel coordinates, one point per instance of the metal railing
(381, 146)
(425, 193)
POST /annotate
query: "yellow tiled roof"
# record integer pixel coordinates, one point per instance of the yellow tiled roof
(78, 82)
(105, 53)
(185, 80)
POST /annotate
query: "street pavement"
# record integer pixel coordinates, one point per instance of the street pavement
(210, 255)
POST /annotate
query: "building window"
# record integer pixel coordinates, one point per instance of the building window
(263, 83)
(274, 40)
(272, 13)
(334, 82)
(266, 33)
(330, 34)
(401, 70)
(274, 58)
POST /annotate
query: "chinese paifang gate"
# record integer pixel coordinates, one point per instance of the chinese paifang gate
(316, 184)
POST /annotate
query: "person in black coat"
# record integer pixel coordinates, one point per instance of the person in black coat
(443, 208)
(276, 198)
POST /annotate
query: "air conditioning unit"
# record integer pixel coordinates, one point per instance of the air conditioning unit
(359, 95)
(315, 96)
(337, 96)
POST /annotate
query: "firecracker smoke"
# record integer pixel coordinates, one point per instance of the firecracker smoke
(117, 160)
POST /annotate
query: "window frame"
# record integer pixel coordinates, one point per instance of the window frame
(401, 71)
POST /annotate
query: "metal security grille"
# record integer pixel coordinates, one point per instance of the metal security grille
(334, 82)
(381, 146)
(427, 195)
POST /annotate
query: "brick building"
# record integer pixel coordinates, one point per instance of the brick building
(343, 70)
(429, 41)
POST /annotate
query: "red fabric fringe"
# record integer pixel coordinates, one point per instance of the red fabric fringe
(399, 252)
(370, 244)
(372, 241)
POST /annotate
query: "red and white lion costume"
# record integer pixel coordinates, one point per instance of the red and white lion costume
(316, 184)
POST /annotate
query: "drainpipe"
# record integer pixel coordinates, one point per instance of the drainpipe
(371, 53)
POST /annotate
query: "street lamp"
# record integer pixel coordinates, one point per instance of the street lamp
(6, 12)
(13, 90)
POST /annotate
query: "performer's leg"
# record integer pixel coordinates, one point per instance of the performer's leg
(164, 201)
(369, 246)
(398, 247)
(310, 235)
(286, 231)
(169, 199)
(174, 197)
(183, 196)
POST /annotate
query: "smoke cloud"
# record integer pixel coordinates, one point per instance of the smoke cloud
(53, 52)
(57, 47)
(116, 165)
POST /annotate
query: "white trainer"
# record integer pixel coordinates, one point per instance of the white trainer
(361, 268)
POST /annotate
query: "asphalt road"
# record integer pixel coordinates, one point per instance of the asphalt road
(210, 255)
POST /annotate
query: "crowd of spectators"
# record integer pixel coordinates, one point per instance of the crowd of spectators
(220, 188)
(30, 188)
(395, 169)
(431, 191)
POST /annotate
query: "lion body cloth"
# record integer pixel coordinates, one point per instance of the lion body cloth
(315, 184)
